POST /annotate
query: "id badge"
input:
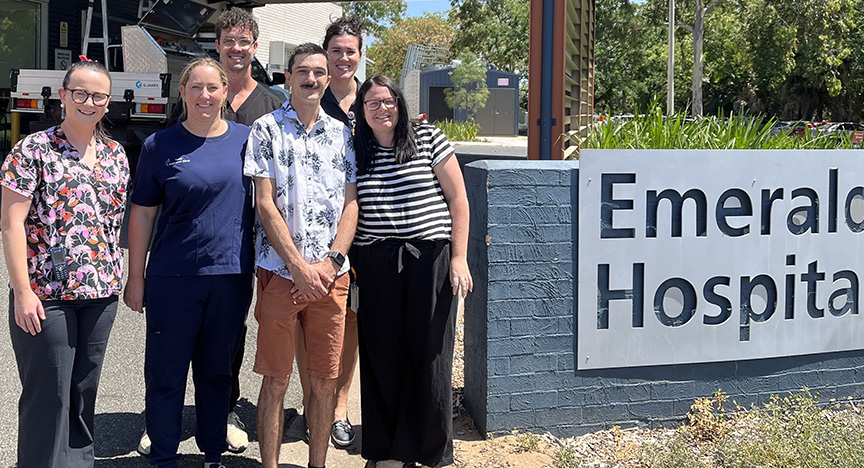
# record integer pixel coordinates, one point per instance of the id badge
(354, 294)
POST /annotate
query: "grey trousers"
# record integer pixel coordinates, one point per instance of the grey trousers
(59, 370)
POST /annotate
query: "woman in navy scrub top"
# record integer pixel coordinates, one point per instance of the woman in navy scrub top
(198, 285)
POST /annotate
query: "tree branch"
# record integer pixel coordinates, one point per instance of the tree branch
(712, 5)
(666, 25)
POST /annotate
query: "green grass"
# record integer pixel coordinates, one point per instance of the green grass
(654, 131)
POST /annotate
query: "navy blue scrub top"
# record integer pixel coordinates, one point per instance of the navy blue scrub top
(205, 227)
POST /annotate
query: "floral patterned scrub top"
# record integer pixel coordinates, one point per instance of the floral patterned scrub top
(73, 206)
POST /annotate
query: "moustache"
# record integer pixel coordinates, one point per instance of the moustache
(309, 86)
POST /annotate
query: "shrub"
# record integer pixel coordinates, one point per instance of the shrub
(527, 443)
(566, 457)
(459, 131)
(673, 453)
(794, 432)
(653, 130)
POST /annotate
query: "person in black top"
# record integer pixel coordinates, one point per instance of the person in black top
(343, 42)
(247, 100)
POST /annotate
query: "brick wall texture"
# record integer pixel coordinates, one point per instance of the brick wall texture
(519, 325)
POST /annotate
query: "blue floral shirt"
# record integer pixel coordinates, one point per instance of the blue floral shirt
(311, 170)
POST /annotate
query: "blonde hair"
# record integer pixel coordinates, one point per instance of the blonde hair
(204, 62)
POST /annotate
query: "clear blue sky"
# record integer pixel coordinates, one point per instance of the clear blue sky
(418, 7)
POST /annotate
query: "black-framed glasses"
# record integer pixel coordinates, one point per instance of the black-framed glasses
(80, 96)
(243, 42)
(375, 104)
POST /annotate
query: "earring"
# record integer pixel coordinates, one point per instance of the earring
(62, 105)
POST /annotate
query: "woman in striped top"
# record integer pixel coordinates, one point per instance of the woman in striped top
(411, 242)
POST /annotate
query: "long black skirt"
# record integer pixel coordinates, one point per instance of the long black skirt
(406, 325)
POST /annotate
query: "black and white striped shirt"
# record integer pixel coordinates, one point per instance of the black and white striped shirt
(404, 201)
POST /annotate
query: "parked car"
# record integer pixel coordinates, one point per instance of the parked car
(273, 82)
(793, 127)
(841, 128)
(850, 130)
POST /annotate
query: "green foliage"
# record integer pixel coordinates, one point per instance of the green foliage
(794, 432)
(654, 131)
(376, 16)
(801, 59)
(497, 30)
(566, 457)
(459, 131)
(674, 453)
(388, 51)
(469, 91)
(527, 442)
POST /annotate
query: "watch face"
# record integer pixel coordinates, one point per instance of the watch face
(337, 257)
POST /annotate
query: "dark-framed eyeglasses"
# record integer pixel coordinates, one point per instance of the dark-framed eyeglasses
(243, 42)
(375, 104)
(80, 96)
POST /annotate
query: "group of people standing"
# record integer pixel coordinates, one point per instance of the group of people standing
(242, 186)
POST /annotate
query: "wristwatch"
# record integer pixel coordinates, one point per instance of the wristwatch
(337, 257)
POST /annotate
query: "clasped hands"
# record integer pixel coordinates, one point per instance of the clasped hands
(313, 280)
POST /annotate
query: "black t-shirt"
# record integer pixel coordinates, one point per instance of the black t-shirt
(331, 106)
(259, 102)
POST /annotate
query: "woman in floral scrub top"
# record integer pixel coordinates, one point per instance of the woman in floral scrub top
(63, 188)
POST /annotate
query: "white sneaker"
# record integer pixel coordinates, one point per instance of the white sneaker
(144, 444)
(238, 440)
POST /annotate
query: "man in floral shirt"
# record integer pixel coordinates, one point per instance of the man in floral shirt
(302, 162)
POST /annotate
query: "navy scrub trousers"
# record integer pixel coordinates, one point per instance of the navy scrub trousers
(59, 370)
(191, 319)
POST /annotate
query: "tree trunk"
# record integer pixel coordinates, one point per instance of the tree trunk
(670, 66)
(698, 37)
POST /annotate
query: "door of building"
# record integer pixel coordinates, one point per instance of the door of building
(497, 117)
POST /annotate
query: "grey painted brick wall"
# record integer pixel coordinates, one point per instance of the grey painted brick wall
(519, 324)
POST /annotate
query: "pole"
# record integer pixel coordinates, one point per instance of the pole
(546, 79)
(670, 68)
(16, 129)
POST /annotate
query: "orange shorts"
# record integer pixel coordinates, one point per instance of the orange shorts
(323, 323)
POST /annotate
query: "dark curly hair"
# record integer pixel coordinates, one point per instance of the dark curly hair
(344, 26)
(236, 17)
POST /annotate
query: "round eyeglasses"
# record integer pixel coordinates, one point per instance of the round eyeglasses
(80, 96)
(243, 42)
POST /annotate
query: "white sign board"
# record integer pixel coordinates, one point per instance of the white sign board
(62, 59)
(701, 256)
